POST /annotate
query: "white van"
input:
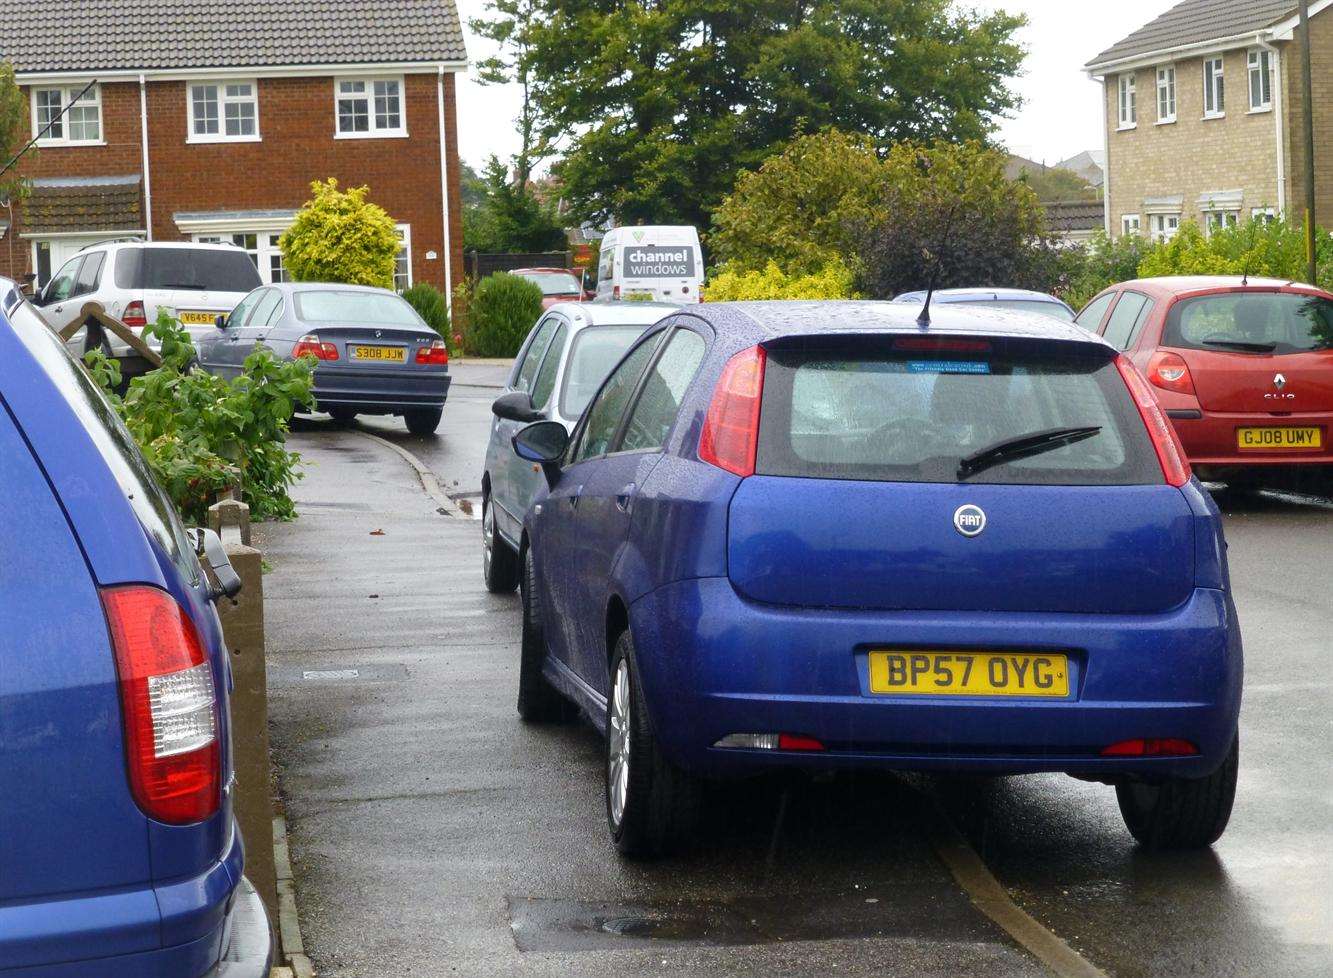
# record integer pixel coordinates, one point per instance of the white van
(662, 264)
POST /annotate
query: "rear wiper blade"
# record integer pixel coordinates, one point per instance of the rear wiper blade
(1243, 345)
(1024, 446)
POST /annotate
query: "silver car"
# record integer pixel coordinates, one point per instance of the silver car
(561, 365)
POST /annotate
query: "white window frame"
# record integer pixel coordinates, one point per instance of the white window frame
(401, 283)
(1131, 224)
(1260, 63)
(1162, 228)
(1214, 87)
(1166, 86)
(1266, 214)
(1127, 101)
(1221, 217)
(223, 100)
(373, 131)
(67, 92)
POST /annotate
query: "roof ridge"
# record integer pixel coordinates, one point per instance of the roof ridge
(1196, 22)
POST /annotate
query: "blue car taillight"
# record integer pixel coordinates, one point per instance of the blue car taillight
(731, 429)
(169, 703)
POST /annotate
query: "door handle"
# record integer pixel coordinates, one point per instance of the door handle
(625, 498)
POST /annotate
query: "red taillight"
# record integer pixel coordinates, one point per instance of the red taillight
(135, 315)
(1152, 747)
(941, 344)
(731, 429)
(797, 742)
(169, 705)
(1170, 372)
(310, 345)
(436, 354)
(615, 292)
(1175, 466)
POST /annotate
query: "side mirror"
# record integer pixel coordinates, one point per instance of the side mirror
(544, 443)
(221, 321)
(516, 406)
(209, 546)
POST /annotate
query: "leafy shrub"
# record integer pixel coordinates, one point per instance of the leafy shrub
(429, 303)
(339, 236)
(202, 434)
(503, 309)
(1263, 249)
(1103, 262)
(833, 281)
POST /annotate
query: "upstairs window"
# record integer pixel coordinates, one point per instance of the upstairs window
(223, 111)
(1261, 81)
(81, 124)
(1166, 94)
(1214, 89)
(369, 108)
(1129, 112)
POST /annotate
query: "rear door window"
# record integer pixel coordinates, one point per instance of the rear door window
(1091, 317)
(663, 391)
(201, 269)
(909, 418)
(544, 386)
(269, 301)
(1251, 322)
(532, 356)
(89, 272)
(1129, 312)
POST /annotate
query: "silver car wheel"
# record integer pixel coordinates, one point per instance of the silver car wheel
(487, 534)
(617, 758)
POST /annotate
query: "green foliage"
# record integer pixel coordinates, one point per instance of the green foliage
(1104, 261)
(1258, 248)
(663, 102)
(833, 281)
(800, 207)
(1052, 185)
(954, 220)
(502, 310)
(511, 64)
(429, 303)
(510, 218)
(13, 133)
(339, 236)
(1188, 253)
(202, 434)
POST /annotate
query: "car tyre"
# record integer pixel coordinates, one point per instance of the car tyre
(342, 415)
(652, 806)
(423, 421)
(538, 700)
(1181, 813)
(499, 563)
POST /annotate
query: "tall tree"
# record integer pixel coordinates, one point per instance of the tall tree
(665, 100)
(510, 218)
(510, 26)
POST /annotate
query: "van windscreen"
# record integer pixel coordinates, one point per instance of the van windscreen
(917, 417)
(199, 269)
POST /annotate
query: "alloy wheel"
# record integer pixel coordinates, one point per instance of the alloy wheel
(487, 535)
(618, 759)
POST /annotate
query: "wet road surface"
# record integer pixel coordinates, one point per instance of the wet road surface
(434, 834)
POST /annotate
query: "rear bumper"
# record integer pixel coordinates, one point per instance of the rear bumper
(713, 664)
(373, 390)
(214, 926)
(1210, 439)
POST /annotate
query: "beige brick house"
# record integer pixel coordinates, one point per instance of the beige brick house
(1203, 116)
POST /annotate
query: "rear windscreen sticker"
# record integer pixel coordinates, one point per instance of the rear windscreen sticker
(948, 367)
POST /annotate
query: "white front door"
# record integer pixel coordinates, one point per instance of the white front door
(49, 254)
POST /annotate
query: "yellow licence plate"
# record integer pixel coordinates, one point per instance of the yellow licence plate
(393, 354)
(199, 318)
(1279, 439)
(969, 674)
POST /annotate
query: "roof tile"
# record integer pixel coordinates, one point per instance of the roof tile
(1197, 22)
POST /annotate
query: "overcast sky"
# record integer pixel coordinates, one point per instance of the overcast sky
(1059, 117)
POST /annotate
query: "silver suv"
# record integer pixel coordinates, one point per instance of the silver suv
(133, 280)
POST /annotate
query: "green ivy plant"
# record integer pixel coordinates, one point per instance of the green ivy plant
(201, 434)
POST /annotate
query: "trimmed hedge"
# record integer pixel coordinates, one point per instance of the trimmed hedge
(503, 309)
(429, 303)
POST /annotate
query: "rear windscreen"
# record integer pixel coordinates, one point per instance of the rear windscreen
(202, 269)
(1052, 309)
(1251, 322)
(346, 306)
(916, 417)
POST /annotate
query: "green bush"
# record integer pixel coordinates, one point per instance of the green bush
(1273, 249)
(503, 309)
(833, 281)
(1105, 261)
(429, 303)
(339, 236)
(201, 434)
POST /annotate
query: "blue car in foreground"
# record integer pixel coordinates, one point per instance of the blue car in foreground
(823, 535)
(119, 853)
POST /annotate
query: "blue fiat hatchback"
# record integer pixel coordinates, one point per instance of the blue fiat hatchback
(119, 855)
(824, 535)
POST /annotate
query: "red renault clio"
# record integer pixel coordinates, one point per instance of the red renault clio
(1243, 367)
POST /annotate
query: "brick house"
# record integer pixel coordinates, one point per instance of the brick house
(1203, 114)
(210, 118)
